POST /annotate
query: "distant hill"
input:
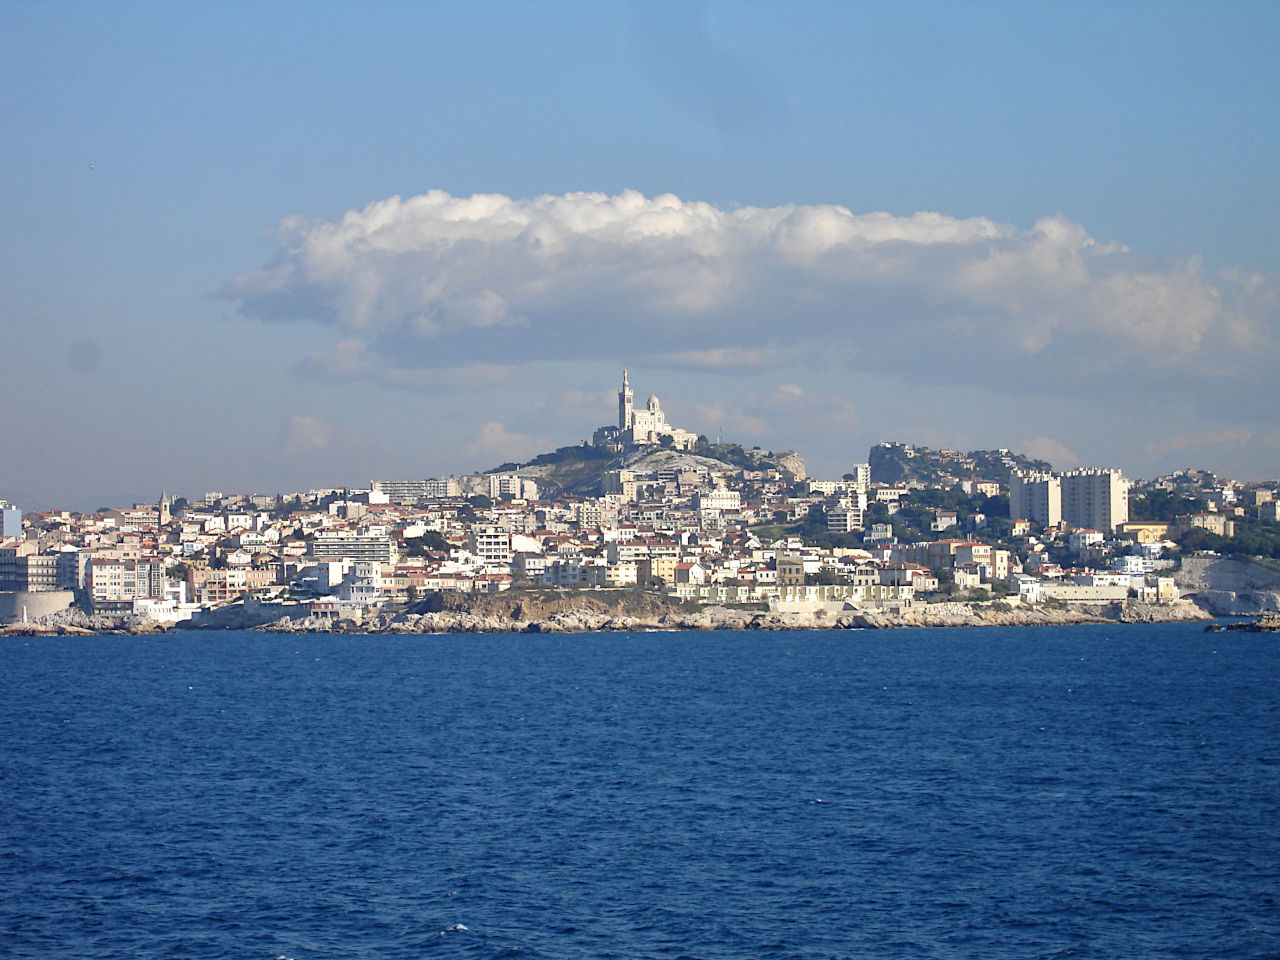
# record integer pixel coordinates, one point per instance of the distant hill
(578, 470)
(904, 463)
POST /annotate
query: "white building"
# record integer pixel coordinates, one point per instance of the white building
(10, 520)
(575, 571)
(411, 491)
(1089, 497)
(1084, 538)
(339, 546)
(510, 485)
(1095, 498)
(844, 516)
(1036, 497)
(646, 426)
(720, 498)
(491, 545)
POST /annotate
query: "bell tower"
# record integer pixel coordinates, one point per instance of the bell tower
(626, 403)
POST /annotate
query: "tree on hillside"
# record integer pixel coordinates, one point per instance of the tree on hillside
(429, 542)
(1163, 506)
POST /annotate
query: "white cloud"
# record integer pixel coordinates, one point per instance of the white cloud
(1187, 442)
(734, 420)
(432, 281)
(1228, 449)
(496, 443)
(305, 435)
(351, 359)
(1050, 450)
(783, 414)
(726, 358)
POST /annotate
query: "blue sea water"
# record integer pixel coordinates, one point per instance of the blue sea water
(1043, 793)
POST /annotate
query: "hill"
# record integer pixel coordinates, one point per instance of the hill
(578, 470)
(904, 463)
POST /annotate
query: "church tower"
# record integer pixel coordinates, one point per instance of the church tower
(626, 404)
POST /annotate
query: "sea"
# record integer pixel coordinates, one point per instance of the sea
(1082, 791)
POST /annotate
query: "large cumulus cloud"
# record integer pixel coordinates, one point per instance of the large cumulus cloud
(440, 281)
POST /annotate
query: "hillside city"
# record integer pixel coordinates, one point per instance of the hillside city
(646, 506)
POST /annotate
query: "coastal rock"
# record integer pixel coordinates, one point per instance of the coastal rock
(1134, 612)
(1229, 603)
(44, 630)
(628, 610)
(1268, 623)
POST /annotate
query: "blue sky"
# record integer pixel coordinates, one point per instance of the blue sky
(209, 285)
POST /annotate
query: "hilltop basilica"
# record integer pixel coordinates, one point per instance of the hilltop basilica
(644, 427)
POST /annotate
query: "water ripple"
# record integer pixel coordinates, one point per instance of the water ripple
(936, 794)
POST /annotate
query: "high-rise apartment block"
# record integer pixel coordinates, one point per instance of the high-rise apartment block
(1036, 497)
(411, 491)
(1091, 498)
(1094, 498)
(10, 520)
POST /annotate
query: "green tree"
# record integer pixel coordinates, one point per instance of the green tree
(824, 577)
(1162, 506)
(430, 542)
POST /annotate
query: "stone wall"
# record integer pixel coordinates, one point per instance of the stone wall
(36, 604)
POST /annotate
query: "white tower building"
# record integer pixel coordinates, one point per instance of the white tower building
(626, 403)
(1036, 497)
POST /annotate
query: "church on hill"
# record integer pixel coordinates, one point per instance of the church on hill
(646, 426)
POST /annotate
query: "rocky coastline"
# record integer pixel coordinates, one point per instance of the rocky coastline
(585, 613)
(721, 618)
(1267, 623)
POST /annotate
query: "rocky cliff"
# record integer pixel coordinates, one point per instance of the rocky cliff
(1227, 587)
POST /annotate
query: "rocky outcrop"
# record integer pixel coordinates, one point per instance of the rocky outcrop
(44, 630)
(1004, 615)
(586, 617)
(793, 463)
(608, 611)
(1132, 611)
(75, 622)
(1229, 603)
(1224, 573)
(1269, 623)
(545, 604)
(1227, 587)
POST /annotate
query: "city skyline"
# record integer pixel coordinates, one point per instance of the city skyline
(252, 248)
